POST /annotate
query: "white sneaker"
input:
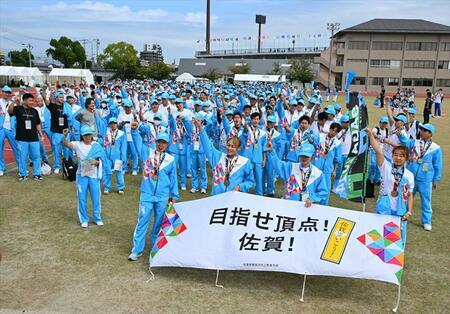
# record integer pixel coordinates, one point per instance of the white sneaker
(56, 171)
(120, 192)
(1, 173)
(134, 173)
(427, 227)
(188, 175)
(105, 192)
(183, 188)
(203, 191)
(133, 257)
(193, 190)
(99, 223)
(84, 225)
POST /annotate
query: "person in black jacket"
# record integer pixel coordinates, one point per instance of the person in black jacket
(427, 107)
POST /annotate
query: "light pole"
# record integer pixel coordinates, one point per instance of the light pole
(260, 19)
(208, 27)
(333, 27)
(29, 52)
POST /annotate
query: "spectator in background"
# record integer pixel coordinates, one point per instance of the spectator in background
(382, 94)
(427, 107)
(438, 97)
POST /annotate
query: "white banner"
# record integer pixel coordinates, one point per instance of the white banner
(243, 231)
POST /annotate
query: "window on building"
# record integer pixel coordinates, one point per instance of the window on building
(421, 46)
(358, 45)
(417, 82)
(443, 64)
(445, 46)
(377, 80)
(359, 80)
(393, 81)
(377, 63)
(443, 82)
(357, 60)
(340, 45)
(419, 64)
(339, 60)
(387, 45)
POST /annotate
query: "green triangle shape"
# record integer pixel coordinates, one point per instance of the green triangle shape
(399, 275)
(387, 242)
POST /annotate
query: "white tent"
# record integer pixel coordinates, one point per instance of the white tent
(70, 75)
(186, 77)
(30, 76)
(258, 78)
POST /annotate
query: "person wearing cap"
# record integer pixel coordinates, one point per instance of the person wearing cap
(234, 129)
(328, 156)
(268, 171)
(303, 181)
(125, 119)
(60, 113)
(398, 129)
(337, 117)
(231, 172)
(413, 125)
(179, 142)
(115, 146)
(91, 159)
(159, 186)
(28, 134)
(346, 140)
(255, 149)
(197, 153)
(298, 134)
(425, 162)
(397, 183)
(7, 128)
(381, 134)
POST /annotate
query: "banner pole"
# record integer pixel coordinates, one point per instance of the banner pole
(398, 299)
(303, 289)
(217, 280)
(152, 276)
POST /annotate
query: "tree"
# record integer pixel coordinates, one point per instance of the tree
(157, 70)
(120, 56)
(68, 52)
(20, 58)
(300, 70)
(276, 70)
(212, 74)
(244, 68)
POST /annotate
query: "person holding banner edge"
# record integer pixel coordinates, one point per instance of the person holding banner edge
(397, 183)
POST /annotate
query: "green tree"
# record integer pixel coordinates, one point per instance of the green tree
(68, 52)
(157, 70)
(276, 69)
(300, 70)
(120, 56)
(244, 68)
(212, 74)
(20, 58)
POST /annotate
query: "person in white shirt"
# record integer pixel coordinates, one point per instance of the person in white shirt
(7, 131)
(125, 120)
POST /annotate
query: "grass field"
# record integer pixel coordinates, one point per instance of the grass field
(48, 263)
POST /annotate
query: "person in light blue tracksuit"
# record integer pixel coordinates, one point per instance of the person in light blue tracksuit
(425, 162)
(198, 159)
(91, 159)
(7, 129)
(296, 135)
(303, 181)
(231, 172)
(159, 185)
(179, 143)
(328, 155)
(268, 172)
(255, 148)
(115, 146)
(345, 137)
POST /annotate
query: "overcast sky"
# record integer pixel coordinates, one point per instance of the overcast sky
(178, 25)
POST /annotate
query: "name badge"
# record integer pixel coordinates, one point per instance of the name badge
(196, 146)
(180, 145)
(426, 167)
(27, 124)
(61, 121)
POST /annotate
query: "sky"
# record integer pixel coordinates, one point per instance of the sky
(179, 26)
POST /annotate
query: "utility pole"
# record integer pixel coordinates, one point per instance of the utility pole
(29, 53)
(208, 26)
(97, 46)
(84, 41)
(333, 27)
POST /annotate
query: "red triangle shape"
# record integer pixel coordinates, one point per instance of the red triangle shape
(362, 239)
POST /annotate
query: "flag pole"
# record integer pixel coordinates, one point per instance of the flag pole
(398, 299)
(217, 279)
(303, 288)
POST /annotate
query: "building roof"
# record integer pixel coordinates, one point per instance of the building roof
(398, 26)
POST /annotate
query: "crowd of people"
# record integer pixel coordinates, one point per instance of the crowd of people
(249, 134)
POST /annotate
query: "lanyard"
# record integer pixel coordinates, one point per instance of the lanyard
(229, 165)
(305, 177)
(113, 136)
(328, 143)
(255, 138)
(343, 135)
(424, 148)
(159, 158)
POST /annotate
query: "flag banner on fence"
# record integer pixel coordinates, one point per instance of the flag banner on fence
(240, 231)
(351, 183)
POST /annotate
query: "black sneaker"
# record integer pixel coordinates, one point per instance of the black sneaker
(23, 178)
(38, 178)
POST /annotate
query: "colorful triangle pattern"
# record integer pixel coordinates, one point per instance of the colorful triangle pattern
(171, 226)
(388, 247)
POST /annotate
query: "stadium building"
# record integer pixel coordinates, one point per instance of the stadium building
(151, 53)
